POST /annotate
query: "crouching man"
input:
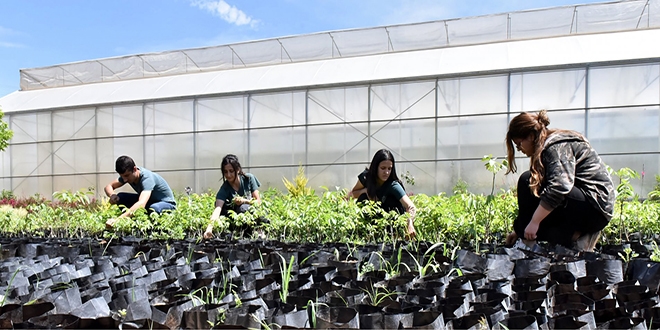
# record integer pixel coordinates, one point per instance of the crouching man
(153, 192)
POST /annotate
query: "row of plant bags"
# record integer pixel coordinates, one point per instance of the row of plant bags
(132, 283)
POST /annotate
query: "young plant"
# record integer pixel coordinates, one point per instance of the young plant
(503, 326)
(366, 268)
(82, 196)
(193, 296)
(430, 263)
(624, 192)
(285, 271)
(392, 267)
(451, 254)
(654, 194)
(299, 185)
(473, 207)
(408, 178)
(11, 281)
(655, 253)
(189, 255)
(628, 254)
(237, 299)
(302, 262)
(377, 295)
(351, 250)
(399, 262)
(386, 265)
(493, 166)
(312, 312)
(264, 325)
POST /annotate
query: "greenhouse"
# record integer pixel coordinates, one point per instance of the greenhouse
(438, 94)
(467, 246)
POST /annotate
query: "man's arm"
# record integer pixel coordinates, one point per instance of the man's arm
(110, 191)
(142, 202)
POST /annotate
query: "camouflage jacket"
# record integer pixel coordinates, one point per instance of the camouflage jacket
(569, 160)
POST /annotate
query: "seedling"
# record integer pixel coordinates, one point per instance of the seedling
(190, 254)
(9, 285)
(309, 256)
(493, 166)
(624, 192)
(430, 264)
(263, 323)
(366, 267)
(237, 299)
(655, 253)
(312, 308)
(378, 295)
(285, 270)
(628, 254)
(389, 266)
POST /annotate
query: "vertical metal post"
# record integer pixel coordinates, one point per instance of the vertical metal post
(306, 126)
(248, 131)
(144, 132)
(435, 157)
(458, 126)
(96, 152)
(508, 97)
(368, 121)
(52, 156)
(586, 100)
(11, 158)
(194, 133)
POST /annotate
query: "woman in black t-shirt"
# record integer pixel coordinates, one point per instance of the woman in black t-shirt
(238, 191)
(380, 182)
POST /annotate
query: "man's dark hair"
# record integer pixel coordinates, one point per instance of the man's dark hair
(123, 164)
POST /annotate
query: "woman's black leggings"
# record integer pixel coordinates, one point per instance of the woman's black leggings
(576, 214)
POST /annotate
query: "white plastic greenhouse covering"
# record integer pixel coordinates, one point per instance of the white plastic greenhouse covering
(502, 56)
(401, 51)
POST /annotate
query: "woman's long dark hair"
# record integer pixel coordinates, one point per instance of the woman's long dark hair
(372, 175)
(521, 127)
(233, 161)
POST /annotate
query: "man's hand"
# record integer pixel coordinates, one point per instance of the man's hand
(511, 238)
(110, 223)
(114, 199)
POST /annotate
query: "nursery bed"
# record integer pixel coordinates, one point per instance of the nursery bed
(134, 283)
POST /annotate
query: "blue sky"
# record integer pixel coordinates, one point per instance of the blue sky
(39, 33)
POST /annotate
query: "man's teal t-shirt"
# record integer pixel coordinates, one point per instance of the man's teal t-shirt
(150, 181)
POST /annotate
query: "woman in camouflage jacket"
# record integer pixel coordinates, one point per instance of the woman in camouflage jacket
(567, 196)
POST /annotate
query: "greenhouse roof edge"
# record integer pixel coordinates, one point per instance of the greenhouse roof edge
(578, 19)
(421, 64)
